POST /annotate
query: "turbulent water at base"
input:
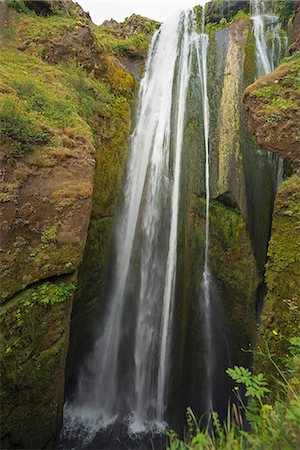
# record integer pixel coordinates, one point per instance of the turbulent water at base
(135, 391)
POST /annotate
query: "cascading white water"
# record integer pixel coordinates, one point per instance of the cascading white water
(202, 48)
(269, 50)
(146, 243)
(166, 323)
(267, 38)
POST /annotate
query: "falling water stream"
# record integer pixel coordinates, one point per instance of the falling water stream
(146, 242)
(138, 321)
(202, 47)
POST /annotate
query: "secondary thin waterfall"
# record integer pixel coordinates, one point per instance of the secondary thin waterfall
(269, 50)
(267, 39)
(202, 47)
(146, 242)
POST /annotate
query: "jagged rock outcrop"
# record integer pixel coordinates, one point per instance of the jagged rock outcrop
(134, 24)
(273, 104)
(81, 45)
(46, 204)
(50, 7)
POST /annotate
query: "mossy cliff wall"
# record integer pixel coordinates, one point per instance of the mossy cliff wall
(65, 112)
(273, 104)
(281, 315)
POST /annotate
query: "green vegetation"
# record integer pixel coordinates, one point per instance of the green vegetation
(275, 93)
(269, 92)
(20, 7)
(233, 264)
(128, 46)
(18, 131)
(272, 424)
(281, 94)
(281, 312)
(120, 40)
(223, 23)
(48, 106)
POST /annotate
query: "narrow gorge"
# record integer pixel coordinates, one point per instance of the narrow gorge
(150, 227)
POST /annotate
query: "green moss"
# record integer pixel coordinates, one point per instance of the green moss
(49, 234)
(280, 98)
(198, 10)
(33, 342)
(269, 92)
(282, 104)
(249, 66)
(233, 264)
(232, 255)
(211, 27)
(281, 318)
(23, 264)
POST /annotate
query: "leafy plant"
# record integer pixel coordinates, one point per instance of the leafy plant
(272, 426)
(255, 384)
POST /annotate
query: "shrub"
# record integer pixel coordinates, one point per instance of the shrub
(17, 132)
(20, 7)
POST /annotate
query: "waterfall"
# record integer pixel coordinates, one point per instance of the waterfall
(269, 50)
(146, 244)
(202, 47)
(184, 74)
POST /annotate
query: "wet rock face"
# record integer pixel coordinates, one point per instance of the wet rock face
(230, 176)
(45, 208)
